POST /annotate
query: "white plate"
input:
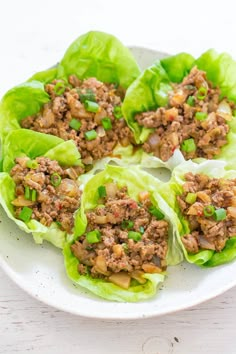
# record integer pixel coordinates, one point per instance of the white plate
(39, 270)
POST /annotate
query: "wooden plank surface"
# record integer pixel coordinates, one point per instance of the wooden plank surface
(28, 326)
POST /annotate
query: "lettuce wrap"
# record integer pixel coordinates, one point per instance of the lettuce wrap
(94, 54)
(150, 91)
(22, 143)
(136, 181)
(174, 188)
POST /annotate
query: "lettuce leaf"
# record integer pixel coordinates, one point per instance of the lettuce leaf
(178, 66)
(45, 76)
(211, 168)
(144, 93)
(107, 290)
(19, 102)
(95, 54)
(40, 232)
(149, 161)
(221, 70)
(147, 92)
(150, 90)
(136, 181)
(101, 55)
(23, 142)
(122, 156)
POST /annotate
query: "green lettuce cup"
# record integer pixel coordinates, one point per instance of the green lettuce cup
(101, 55)
(202, 196)
(137, 183)
(162, 85)
(93, 55)
(19, 181)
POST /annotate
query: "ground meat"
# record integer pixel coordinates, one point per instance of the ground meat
(51, 191)
(200, 207)
(180, 120)
(116, 253)
(68, 107)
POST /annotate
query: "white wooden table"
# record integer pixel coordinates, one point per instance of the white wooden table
(33, 36)
(28, 326)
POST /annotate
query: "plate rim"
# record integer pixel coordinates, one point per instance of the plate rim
(122, 316)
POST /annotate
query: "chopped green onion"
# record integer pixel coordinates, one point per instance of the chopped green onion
(25, 214)
(59, 88)
(93, 236)
(58, 223)
(117, 112)
(136, 236)
(32, 164)
(125, 247)
(75, 124)
(91, 135)
(107, 124)
(88, 96)
(30, 194)
(100, 206)
(209, 210)
(220, 214)
(55, 179)
(200, 115)
(141, 229)
(89, 248)
(188, 145)
(189, 87)
(202, 92)
(191, 101)
(156, 212)
(91, 106)
(102, 192)
(127, 224)
(34, 195)
(191, 198)
(27, 193)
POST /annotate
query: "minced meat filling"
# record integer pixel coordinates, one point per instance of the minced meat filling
(123, 239)
(89, 112)
(45, 191)
(209, 205)
(195, 120)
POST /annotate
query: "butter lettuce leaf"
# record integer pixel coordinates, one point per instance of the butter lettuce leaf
(20, 143)
(108, 290)
(147, 92)
(20, 102)
(136, 181)
(45, 76)
(178, 66)
(94, 54)
(101, 55)
(155, 82)
(40, 232)
(122, 156)
(221, 70)
(149, 161)
(211, 168)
